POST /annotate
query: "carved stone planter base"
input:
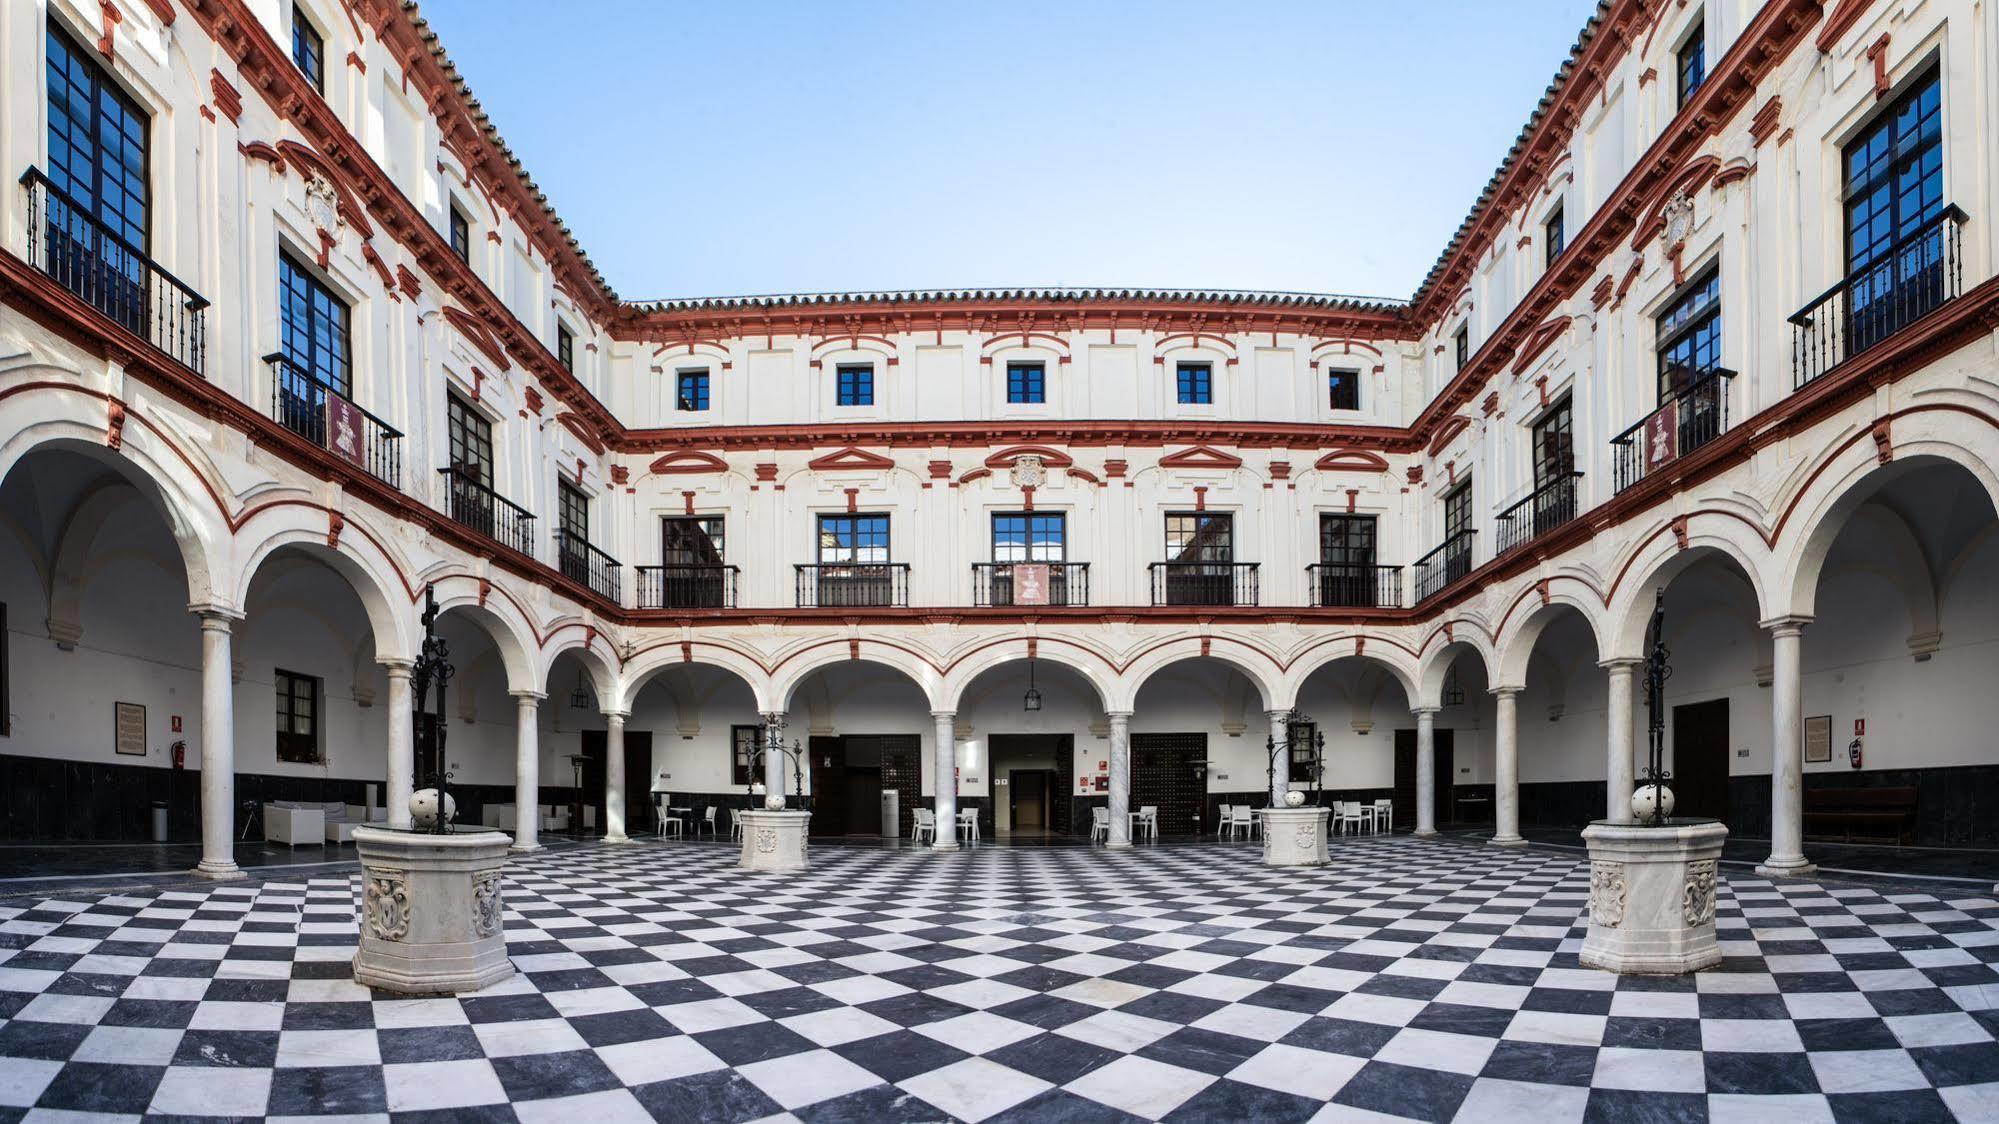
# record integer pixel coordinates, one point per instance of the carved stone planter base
(1651, 899)
(430, 911)
(774, 840)
(1295, 836)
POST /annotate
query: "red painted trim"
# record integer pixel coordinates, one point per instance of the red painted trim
(1351, 460)
(1200, 456)
(1839, 21)
(687, 462)
(850, 458)
(1051, 458)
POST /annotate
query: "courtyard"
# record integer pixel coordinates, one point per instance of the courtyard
(1432, 980)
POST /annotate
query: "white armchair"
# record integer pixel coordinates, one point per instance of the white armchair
(293, 824)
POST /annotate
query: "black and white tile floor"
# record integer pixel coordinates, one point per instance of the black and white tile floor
(1433, 980)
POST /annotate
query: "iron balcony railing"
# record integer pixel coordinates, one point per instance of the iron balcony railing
(67, 242)
(1030, 583)
(1547, 507)
(1204, 583)
(1694, 416)
(310, 407)
(864, 585)
(479, 507)
(687, 585)
(580, 562)
(1913, 277)
(1444, 565)
(1345, 585)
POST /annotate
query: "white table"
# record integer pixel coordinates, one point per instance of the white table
(1134, 821)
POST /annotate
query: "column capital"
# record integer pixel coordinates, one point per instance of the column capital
(1790, 625)
(620, 715)
(941, 715)
(215, 615)
(529, 696)
(1621, 663)
(1118, 715)
(1424, 711)
(397, 667)
(1506, 692)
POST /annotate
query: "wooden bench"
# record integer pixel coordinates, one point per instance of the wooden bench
(1857, 815)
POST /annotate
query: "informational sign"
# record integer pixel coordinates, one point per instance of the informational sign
(129, 720)
(1030, 583)
(1818, 738)
(1662, 438)
(343, 429)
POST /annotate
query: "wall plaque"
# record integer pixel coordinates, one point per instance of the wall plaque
(1818, 738)
(130, 723)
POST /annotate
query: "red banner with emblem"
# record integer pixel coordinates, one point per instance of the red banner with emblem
(1030, 583)
(1662, 438)
(343, 430)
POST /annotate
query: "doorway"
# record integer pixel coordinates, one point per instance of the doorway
(1030, 792)
(1168, 772)
(640, 815)
(1443, 753)
(1700, 759)
(1027, 771)
(849, 774)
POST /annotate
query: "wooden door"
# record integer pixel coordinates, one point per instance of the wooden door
(640, 814)
(901, 757)
(1700, 759)
(1028, 793)
(591, 795)
(1443, 753)
(1166, 773)
(829, 785)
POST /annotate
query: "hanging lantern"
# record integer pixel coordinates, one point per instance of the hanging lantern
(581, 697)
(1031, 700)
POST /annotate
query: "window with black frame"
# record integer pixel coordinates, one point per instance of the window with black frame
(1347, 575)
(691, 562)
(1195, 383)
(1691, 62)
(1301, 744)
(298, 718)
(1895, 252)
(1457, 531)
(1554, 440)
(1026, 383)
(1461, 343)
(854, 384)
(854, 560)
(1553, 234)
(469, 437)
(1689, 344)
(565, 347)
(572, 511)
(1343, 389)
(461, 234)
(308, 49)
(690, 392)
(745, 754)
(1029, 537)
(1200, 557)
(98, 159)
(313, 326)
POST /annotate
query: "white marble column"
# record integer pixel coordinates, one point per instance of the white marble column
(1620, 771)
(527, 770)
(218, 747)
(1506, 767)
(1120, 802)
(1280, 777)
(1787, 751)
(402, 742)
(945, 765)
(614, 777)
(1426, 770)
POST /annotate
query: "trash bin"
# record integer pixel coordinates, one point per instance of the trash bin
(159, 821)
(891, 813)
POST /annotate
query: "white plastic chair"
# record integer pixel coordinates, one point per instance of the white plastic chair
(1148, 820)
(924, 824)
(1100, 824)
(1348, 812)
(968, 825)
(707, 822)
(1240, 821)
(1384, 816)
(736, 824)
(1222, 822)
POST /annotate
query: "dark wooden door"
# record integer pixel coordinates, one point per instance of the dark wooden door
(1028, 795)
(829, 786)
(898, 759)
(641, 817)
(1700, 759)
(1443, 752)
(591, 795)
(1166, 772)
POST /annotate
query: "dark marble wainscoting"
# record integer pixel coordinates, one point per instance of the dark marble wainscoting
(43, 798)
(1566, 804)
(1749, 805)
(1079, 812)
(1956, 806)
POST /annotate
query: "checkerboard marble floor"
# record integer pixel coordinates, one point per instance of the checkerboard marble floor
(1425, 979)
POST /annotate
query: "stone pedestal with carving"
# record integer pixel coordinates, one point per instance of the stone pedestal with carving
(1651, 897)
(1295, 836)
(430, 911)
(774, 840)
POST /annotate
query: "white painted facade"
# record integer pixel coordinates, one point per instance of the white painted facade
(1858, 505)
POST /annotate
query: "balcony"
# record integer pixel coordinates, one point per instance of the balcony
(1444, 565)
(481, 508)
(1913, 277)
(1690, 419)
(1545, 508)
(1204, 583)
(687, 586)
(1030, 583)
(329, 419)
(1337, 585)
(869, 585)
(113, 276)
(586, 565)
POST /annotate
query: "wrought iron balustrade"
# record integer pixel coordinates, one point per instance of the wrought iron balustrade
(1340, 585)
(1204, 583)
(1030, 583)
(1694, 416)
(687, 586)
(1545, 508)
(471, 502)
(67, 242)
(1911, 279)
(861, 585)
(583, 563)
(308, 406)
(1444, 565)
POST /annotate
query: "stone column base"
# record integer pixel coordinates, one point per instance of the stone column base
(1509, 841)
(229, 873)
(430, 911)
(1652, 895)
(1801, 870)
(773, 841)
(1295, 836)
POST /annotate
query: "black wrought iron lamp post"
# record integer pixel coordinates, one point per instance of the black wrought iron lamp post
(1275, 749)
(774, 742)
(432, 667)
(1657, 671)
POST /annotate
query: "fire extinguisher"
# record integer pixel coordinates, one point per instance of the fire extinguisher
(178, 751)
(1853, 753)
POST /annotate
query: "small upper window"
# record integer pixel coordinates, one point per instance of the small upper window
(1343, 389)
(461, 234)
(308, 49)
(691, 390)
(565, 347)
(1693, 61)
(855, 384)
(1556, 236)
(298, 718)
(1026, 382)
(1196, 383)
(1462, 341)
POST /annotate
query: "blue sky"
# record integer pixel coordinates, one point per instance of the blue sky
(755, 147)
